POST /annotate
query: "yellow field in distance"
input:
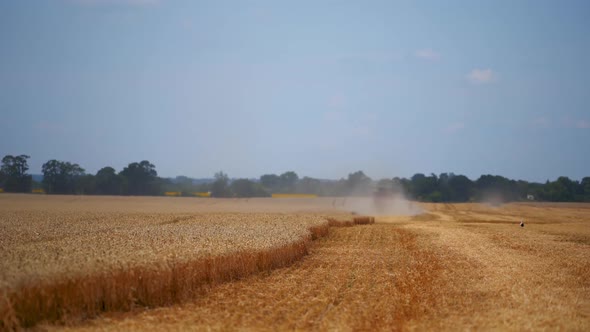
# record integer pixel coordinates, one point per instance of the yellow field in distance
(294, 196)
(178, 194)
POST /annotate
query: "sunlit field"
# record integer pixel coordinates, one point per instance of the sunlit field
(168, 263)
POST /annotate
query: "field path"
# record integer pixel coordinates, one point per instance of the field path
(503, 276)
(500, 279)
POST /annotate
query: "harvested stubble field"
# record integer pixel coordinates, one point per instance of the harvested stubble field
(460, 266)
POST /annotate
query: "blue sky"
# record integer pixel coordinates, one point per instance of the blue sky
(323, 88)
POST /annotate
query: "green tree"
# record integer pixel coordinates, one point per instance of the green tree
(60, 177)
(271, 182)
(220, 187)
(247, 188)
(140, 179)
(498, 189)
(461, 188)
(288, 181)
(86, 185)
(183, 184)
(442, 186)
(309, 185)
(358, 183)
(561, 190)
(585, 189)
(14, 174)
(435, 197)
(108, 182)
(421, 186)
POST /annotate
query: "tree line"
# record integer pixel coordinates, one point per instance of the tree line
(141, 178)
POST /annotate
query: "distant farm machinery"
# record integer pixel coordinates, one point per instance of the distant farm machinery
(382, 198)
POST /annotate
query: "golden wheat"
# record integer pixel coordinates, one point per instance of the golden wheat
(55, 265)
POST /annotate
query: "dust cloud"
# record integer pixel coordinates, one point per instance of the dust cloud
(492, 199)
(396, 205)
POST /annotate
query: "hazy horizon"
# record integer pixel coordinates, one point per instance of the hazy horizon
(323, 88)
(335, 178)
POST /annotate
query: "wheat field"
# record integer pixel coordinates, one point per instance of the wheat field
(65, 258)
(453, 267)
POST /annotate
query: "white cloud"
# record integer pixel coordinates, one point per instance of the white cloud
(337, 101)
(569, 122)
(186, 24)
(481, 76)
(541, 122)
(427, 54)
(454, 127)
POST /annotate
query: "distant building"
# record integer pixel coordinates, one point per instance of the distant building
(530, 197)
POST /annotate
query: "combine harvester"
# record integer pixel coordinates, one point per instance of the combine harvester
(383, 198)
(391, 201)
